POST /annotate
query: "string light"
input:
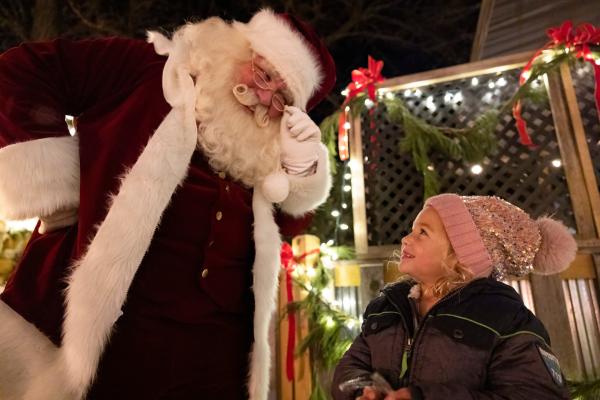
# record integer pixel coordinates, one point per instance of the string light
(347, 188)
(347, 175)
(328, 294)
(329, 322)
(369, 103)
(344, 227)
(556, 163)
(407, 93)
(476, 169)
(335, 213)
(474, 82)
(458, 97)
(344, 206)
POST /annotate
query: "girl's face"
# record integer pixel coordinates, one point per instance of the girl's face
(426, 249)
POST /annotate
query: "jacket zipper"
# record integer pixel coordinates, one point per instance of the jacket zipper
(417, 335)
(407, 356)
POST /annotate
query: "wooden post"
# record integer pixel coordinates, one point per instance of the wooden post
(301, 386)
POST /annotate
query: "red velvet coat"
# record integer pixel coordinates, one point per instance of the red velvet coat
(197, 268)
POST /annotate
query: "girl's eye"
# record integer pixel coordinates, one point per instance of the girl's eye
(423, 232)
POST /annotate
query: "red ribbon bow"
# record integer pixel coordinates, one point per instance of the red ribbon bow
(288, 263)
(363, 80)
(576, 40)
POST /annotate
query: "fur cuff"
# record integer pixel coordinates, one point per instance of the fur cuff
(39, 177)
(25, 354)
(307, 193)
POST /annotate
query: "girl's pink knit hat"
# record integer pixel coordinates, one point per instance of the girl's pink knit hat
(489, 234)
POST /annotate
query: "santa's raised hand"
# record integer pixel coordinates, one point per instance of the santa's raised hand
(300, 138)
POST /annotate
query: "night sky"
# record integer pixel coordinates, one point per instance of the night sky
(409, 36)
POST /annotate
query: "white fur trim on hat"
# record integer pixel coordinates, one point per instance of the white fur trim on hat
(557, 249)
(274, 39)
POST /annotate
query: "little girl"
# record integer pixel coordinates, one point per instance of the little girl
(453, 331)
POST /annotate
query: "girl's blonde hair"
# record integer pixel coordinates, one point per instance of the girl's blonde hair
(456, 275)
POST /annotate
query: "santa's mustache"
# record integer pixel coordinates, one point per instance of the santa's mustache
(248, 98)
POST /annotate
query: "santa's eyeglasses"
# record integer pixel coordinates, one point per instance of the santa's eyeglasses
(264, 81)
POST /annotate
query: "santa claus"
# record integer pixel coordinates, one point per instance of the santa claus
(158, 225)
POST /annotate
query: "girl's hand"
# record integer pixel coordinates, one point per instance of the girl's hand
(369, 393)
(400, 394)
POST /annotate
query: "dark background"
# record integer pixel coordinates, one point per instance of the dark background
(409, 36)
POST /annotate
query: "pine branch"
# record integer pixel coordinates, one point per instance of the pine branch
(585, 390)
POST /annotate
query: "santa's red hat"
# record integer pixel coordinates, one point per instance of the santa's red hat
(295, 50)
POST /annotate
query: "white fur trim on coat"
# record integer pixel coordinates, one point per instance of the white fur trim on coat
(307, 193)
(274, 39)
(101, 278)
(39, 177)
(25, 354)
(265, 270)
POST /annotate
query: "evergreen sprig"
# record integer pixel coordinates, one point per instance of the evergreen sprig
(585, 390)
(328, 336)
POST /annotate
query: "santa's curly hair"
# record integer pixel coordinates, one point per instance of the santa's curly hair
(227, 132)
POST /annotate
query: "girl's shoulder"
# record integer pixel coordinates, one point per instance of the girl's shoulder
(496, 306)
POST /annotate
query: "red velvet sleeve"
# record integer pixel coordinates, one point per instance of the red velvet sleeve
(290, 226)
(40, 83)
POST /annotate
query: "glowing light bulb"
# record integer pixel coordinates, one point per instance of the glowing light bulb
(476, 169)
(335, 213)
(474, 82)
(556, 163)
(344, 227)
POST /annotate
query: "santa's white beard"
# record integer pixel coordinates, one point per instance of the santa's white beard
(227, 132)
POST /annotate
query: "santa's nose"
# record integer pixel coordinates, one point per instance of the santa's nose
(264, 96)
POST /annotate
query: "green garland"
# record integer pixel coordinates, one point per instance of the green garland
(12, 244)
(585, 390)
(421, 139)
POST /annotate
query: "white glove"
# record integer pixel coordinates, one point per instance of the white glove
(59, 219)
(300, 138)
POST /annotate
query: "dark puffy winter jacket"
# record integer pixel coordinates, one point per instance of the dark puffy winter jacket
(479, 342)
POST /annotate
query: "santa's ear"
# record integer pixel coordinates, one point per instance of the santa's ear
(162, 44)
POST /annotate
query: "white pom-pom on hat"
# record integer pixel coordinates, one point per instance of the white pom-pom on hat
(557, 249)
(276, 187)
